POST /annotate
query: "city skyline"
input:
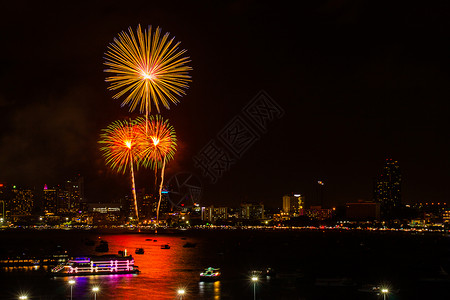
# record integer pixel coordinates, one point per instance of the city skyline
(354, 92)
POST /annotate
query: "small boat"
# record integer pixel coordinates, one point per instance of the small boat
(270, 272)
(139, 251)
(102, 247)
(149, 240)
(166, 246)
(189, 245)
(155, 240)
(210, 274)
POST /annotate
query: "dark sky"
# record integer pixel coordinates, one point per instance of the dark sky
(359, 81)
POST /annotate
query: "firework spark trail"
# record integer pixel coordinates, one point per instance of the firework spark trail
(160, 189)
(147, 69)
(133, 189)
(157, 140)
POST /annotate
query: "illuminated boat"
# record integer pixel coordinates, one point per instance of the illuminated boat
(210, 274)
(97, 265)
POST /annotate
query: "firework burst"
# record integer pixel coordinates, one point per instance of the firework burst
(147, 67)
(157, 141)
(119, 148)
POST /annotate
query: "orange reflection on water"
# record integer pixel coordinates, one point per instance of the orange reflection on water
(163, 271)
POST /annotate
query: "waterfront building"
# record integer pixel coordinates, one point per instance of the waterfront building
(106, 213)
(71, 197)
(50, 197)
(252, 211)
(318, 213)
(212, 214)
(21, 203)
(363, 210)
(387, 189)
(293, 205)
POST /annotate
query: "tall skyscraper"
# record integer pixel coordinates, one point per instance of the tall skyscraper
(50, 198)
(71, 196)
(387, 189)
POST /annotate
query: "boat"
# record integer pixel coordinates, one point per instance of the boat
(189, 245)
(139, 251)
(210, 274)
(97, 265)
(102, 246)
(148, 240)
(166, 246)
(270, 272)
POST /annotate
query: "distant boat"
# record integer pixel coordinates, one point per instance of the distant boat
(166, 246)
(155, 240)
(189, 245)
(270, 272)
(139, 251)
(148, 239)
(102, 247)
(210, 274)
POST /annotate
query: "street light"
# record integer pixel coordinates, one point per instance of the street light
(71, 282)
(181, 292)
(24, 297)
(254, 279)
(95, 289)
(384, 291)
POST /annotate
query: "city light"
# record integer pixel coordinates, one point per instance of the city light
(95, 289)
(384, 291)
(22, 297)
(181, 293)
(254, 279)
(71, 282)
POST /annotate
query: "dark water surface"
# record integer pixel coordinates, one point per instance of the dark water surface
(415, 265)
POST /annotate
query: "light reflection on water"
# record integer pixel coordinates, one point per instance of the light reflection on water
(163, 272)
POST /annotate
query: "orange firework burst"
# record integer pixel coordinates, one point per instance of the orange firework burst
(119, 148)
(147, 68)
(157, 141)
(119, 142)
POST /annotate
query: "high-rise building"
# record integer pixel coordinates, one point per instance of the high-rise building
(387, 189)
(293, 205)
(21, 203)
(50, 199)
(252, 211)
(71, 196)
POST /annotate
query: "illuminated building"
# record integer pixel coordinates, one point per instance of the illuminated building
(319, 213)
(71, 197)
(293, 205)
(21, 203)
(252, 211)
(106, 213)
(363, 210)
(387, 189)
(211, 213)
(50, 198)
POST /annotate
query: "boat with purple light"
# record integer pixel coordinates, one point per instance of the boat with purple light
(97, 265)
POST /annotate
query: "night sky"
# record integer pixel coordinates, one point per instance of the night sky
(359, 81)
